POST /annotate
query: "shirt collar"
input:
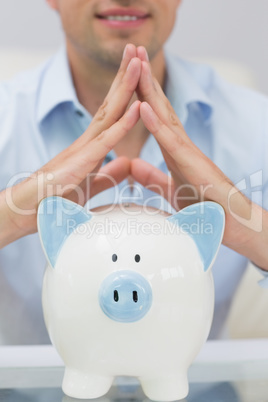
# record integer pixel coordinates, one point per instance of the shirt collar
(56, 87)
(186, 85)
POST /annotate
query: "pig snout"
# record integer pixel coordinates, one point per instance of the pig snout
(125, 296)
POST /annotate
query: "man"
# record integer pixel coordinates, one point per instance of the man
(210, 135)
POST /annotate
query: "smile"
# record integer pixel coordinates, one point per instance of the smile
(123, 18)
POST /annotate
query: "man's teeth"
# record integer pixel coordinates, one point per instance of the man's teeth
(121, 18)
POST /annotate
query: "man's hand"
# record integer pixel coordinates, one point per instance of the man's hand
(195, 177)
(71, 173)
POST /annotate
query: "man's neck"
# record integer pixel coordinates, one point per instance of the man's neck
(93, 81)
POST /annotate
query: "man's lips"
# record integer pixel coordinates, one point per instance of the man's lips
(123, 17)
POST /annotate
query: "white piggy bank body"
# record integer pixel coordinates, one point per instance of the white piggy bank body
(127, 293)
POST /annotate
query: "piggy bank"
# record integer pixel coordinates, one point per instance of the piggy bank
(128, 292)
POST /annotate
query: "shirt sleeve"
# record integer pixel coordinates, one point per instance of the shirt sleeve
(264, 282)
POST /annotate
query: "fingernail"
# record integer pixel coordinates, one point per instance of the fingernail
(125, 51)
(133, 105)
(148, 106)
(150, 110)
(146, 54)
(129, 64)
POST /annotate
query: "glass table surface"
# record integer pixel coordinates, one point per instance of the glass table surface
(225, 371)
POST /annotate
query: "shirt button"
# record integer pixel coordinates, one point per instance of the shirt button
(79, 113)
(107, 159)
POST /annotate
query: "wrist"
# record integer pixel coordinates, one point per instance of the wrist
(250, 237)
(18, 207)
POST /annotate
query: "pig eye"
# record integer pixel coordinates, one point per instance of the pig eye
(137, 258)
(114, 257)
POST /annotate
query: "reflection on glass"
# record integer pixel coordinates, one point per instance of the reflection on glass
(253, 391)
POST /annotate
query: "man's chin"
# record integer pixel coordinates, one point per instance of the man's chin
(108, 53)
(109, 57)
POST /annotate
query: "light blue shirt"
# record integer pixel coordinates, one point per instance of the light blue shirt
(40, 115)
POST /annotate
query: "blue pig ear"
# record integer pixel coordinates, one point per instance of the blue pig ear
(56, 220)
(204, 222)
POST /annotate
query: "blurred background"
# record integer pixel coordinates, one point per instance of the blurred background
(229, 34)
(216, 31)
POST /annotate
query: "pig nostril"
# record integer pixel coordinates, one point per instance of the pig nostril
(116, 296)
(135, 296)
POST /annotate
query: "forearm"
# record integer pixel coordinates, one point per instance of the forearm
(255, 233)
(18, 207)
(9, 232)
